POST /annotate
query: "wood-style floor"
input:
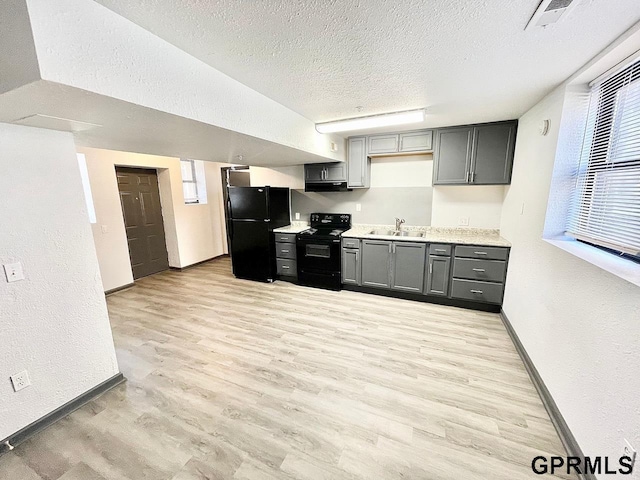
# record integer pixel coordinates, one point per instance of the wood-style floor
(231, 379)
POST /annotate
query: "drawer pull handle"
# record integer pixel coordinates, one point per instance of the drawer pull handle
(440, 250)
(285, 267)
(476, 291)
(478, 269)
(480, 253)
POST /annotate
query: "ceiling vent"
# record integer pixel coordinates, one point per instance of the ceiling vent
(550, 11)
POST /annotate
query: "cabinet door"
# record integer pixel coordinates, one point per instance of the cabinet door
(438, 276)
(492, 154)
(358, 164)
(407, 272)
(416, 141)
(314, 173)
(379, 144)
(335, 172)
(452, 156)
(351, 266)
(376, 257)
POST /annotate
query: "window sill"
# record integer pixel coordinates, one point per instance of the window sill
(618, 266)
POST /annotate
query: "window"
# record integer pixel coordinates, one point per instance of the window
(193, 184)
(605, 209)
(86, 186)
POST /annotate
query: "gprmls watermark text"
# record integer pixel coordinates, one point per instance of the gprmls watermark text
(581, 465)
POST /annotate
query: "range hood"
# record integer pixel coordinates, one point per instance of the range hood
(325, 186)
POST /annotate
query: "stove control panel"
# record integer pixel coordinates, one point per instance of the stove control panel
(338, 220)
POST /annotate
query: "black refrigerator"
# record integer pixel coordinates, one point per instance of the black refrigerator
(253, 214)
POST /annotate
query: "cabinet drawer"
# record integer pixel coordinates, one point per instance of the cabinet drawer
(286, 237)
(487, 253)
(286, 267)
(285, 250)
(477, 291)
(351, 243)
(473, 269)
(439, 249)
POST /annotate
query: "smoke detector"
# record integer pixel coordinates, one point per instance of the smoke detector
(549, 12)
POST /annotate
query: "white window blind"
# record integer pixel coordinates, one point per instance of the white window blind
(605, 208)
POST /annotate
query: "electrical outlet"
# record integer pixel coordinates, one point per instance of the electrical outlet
(297, 215)
(463, 221)
(629, 451)
(358, 207)
(20, 380)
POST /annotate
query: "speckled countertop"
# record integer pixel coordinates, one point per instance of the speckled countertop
(295, 227)
(462, 236)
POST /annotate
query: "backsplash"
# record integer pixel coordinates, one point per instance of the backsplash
(378, 205)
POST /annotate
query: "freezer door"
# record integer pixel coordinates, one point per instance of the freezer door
(251, 250)
(247, 203)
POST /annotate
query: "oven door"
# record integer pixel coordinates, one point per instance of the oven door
(320, 256)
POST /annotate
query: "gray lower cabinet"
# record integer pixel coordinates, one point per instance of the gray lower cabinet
(358, 163)
(285, 250)
(351, 266)
(438, 276)
(407, 266)
(376, 258)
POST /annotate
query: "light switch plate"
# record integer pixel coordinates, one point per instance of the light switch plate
(463, 221)
(13, 271)
(104, 228)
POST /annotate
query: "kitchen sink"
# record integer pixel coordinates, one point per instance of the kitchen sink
(410, 234)
(393, 233)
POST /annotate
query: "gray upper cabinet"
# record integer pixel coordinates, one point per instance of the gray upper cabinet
(421, 141)
(475, 155)
(438, 269)
(359, 164)
(376, 258)
(492, 156)
(379, 144)
(325, 172)
(335, 172)
(452, 156)
(314, 172)
(407, 266)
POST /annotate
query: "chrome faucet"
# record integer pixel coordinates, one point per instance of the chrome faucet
(399, 223)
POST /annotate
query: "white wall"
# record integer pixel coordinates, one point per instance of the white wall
(482, 205)
(138, 67)
(193, 232)
(53, 324)
(291, 177)
(578, 323)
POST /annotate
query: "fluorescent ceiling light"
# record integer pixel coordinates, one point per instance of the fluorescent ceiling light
(362, 123)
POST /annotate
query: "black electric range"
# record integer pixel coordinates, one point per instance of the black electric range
(318, 250)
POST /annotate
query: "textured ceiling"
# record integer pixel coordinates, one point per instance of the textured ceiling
(466, 61)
